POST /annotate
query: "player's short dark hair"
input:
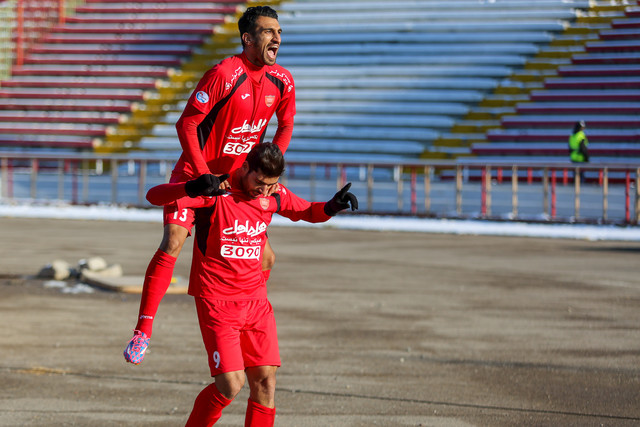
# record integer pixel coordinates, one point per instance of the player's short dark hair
(247, 22)
(267, 158)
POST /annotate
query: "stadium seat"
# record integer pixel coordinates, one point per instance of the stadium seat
(496, 149)
(616, 82)
(599, 70)
(567, 121)
(562, 135)
(578, 108)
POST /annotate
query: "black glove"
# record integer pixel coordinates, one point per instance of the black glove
(205, 185)
(341, 201)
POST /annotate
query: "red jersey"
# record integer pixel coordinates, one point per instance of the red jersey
(238, 99)
(231, 236)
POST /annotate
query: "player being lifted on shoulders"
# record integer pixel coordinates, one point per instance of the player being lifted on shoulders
(226, 115)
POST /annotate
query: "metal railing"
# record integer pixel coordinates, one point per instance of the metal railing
(609, 193)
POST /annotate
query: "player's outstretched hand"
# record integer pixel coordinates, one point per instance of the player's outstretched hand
(137, 346)
(205, 185)
(342, 200)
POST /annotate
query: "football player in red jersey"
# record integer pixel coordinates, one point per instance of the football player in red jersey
(236, 319)
(226, 115)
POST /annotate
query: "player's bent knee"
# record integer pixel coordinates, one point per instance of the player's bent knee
(268, 261)
(173, 239)
(268, 257)
(262, 377)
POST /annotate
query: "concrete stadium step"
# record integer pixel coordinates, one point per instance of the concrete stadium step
(562, 135)
(146, 18)
(112, 49)
(81, 70)
(590, 95)
(174, 8)
(64, 93)
(410, 48)
(399, 108)
(620, 34)
(466, 96)
(607, 58)
(625, 23)
(399, 83)
(544, 159)
(599, 70)
(395, 71)
(73, 129)
(613, 46)
(551, 149)
(452, 5)
(134, 28)
(57, 104)
(437, 16)
(410, 60)
(46, 141)
(490, 26)
(82, 82)
(586, 83)
(86, 117)
(554, 108)
(546, 121)
(118, 38)
(98, 59)
(353, 158)
(398, 147)
(417, 38)
(374, 121)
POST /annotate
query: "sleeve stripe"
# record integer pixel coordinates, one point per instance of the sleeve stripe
(205, 128)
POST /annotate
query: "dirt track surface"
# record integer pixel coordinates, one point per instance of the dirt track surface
(388, 329)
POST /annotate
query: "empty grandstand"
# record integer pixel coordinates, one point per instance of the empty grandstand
(384, 80)
(591, 73)
(85, 73)
(375, 79)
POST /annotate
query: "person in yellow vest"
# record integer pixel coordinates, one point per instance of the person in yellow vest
(579, 146)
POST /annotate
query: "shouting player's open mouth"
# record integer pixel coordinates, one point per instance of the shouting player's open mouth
(272, 53)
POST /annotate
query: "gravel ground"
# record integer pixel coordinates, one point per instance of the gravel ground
(376, 328)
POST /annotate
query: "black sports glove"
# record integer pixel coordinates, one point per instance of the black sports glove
(341, 201)
(205, 185)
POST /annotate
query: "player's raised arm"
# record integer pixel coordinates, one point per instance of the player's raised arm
(342, 200)
(298, 209)
(204, 185)
(187, 128)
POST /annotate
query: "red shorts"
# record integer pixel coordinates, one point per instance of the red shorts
(183, 217)
(238, 334)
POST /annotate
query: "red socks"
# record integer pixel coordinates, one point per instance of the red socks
(207, 407)
(259, 415)
(209, 404)
(156, 281)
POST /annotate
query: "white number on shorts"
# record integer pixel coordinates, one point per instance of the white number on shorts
(240, 252)
(183, 215)
(216, 359)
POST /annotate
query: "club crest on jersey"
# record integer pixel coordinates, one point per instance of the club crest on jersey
(264, 203)
(269, 99)
(202, 97)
